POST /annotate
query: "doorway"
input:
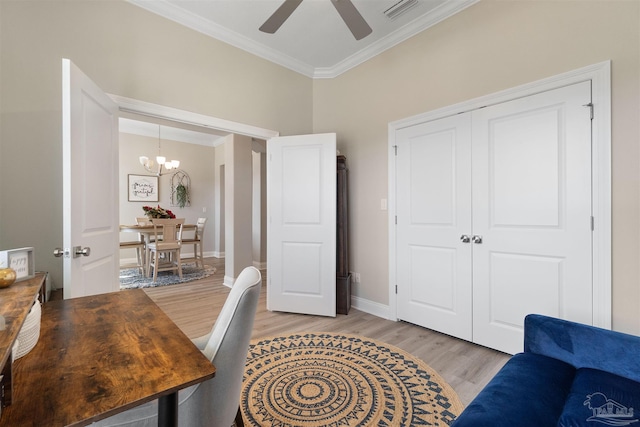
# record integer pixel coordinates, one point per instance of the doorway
(145, 112)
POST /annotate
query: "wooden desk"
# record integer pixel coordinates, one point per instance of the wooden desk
(15, 303)
(100, 355)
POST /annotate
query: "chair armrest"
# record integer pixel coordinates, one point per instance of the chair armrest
(583, 346)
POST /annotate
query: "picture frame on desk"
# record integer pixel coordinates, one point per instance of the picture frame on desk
(20, 260)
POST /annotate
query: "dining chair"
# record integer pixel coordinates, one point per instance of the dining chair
(197, 243)
(140, 248)
(167, 240)
(143, 220)
(215, 402)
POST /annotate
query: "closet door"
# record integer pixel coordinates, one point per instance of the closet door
(433, 164)
(532, 210)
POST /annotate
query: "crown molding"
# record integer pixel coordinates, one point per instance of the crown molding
(218, 32)
(416, 26)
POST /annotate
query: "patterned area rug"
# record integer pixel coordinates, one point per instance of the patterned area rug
(131, 278)
(324, 379)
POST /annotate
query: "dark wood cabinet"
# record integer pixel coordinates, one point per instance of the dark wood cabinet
(343, 277)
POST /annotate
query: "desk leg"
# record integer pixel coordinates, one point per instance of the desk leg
(168, 410)
(6, 382)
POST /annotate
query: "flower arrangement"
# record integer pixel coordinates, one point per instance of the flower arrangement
(157, 212)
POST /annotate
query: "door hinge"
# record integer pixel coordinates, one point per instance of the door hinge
(396, 289)
(593, 223)
(395, 150)
(396, 219)
(590, 105)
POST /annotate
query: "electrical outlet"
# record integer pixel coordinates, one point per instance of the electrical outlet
(356, 277)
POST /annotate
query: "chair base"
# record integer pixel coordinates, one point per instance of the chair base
(239, 422)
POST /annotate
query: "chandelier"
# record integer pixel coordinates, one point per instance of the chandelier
(161, 161)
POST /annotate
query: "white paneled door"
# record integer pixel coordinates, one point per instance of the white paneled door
(434, 218)
(301, 194)
(532, 208)
(90, 186)
(494, 217)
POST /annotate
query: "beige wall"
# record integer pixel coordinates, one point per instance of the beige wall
(490, 46)
(129, 52)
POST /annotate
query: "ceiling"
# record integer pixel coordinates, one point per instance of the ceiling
(314, 41)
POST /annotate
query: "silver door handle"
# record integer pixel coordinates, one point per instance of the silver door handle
(465, 239)
(59, 252)
(476, 239)
(80, 251)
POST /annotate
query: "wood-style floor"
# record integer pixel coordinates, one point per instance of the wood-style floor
(467, 367)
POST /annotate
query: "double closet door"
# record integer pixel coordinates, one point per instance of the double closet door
(494, 217)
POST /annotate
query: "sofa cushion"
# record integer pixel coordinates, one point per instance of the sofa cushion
(601, 398)
(529, 391)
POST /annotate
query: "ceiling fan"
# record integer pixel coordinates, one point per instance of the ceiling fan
(350, 15)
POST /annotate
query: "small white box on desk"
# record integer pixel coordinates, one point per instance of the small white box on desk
(20, 260)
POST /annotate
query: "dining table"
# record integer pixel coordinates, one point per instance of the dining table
(146, 231)
(100, 355)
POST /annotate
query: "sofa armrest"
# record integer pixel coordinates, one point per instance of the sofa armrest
(583, 346)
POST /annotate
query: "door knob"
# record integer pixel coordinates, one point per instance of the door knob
(58, 252)
(476, 239)
(80, 251)
(465, 239)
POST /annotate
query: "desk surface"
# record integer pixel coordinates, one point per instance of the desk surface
(15, 303)
(100, 355)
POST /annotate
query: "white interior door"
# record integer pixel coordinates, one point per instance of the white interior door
(433, 164)
(532, 207)
(516, 178)
(90, 186)
(301, 199)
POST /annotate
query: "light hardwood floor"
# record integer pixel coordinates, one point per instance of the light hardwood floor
(467, 367)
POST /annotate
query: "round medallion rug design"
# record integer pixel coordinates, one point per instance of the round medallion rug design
(325, 379)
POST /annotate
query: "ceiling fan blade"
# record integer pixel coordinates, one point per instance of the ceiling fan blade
(285, 10)
(350, 15)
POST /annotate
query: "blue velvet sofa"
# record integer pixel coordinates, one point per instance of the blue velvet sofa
(569, 375)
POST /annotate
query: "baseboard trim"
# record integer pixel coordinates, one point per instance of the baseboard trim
(260, 265)
(370, 307)
(228, 281)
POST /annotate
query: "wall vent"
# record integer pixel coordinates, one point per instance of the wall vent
(399, 8)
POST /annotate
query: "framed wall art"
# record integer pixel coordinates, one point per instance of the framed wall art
(143, 188)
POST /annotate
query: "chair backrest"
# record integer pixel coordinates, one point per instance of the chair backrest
(200, 228)
(168, 230)
(143, 220)
(216, 401)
